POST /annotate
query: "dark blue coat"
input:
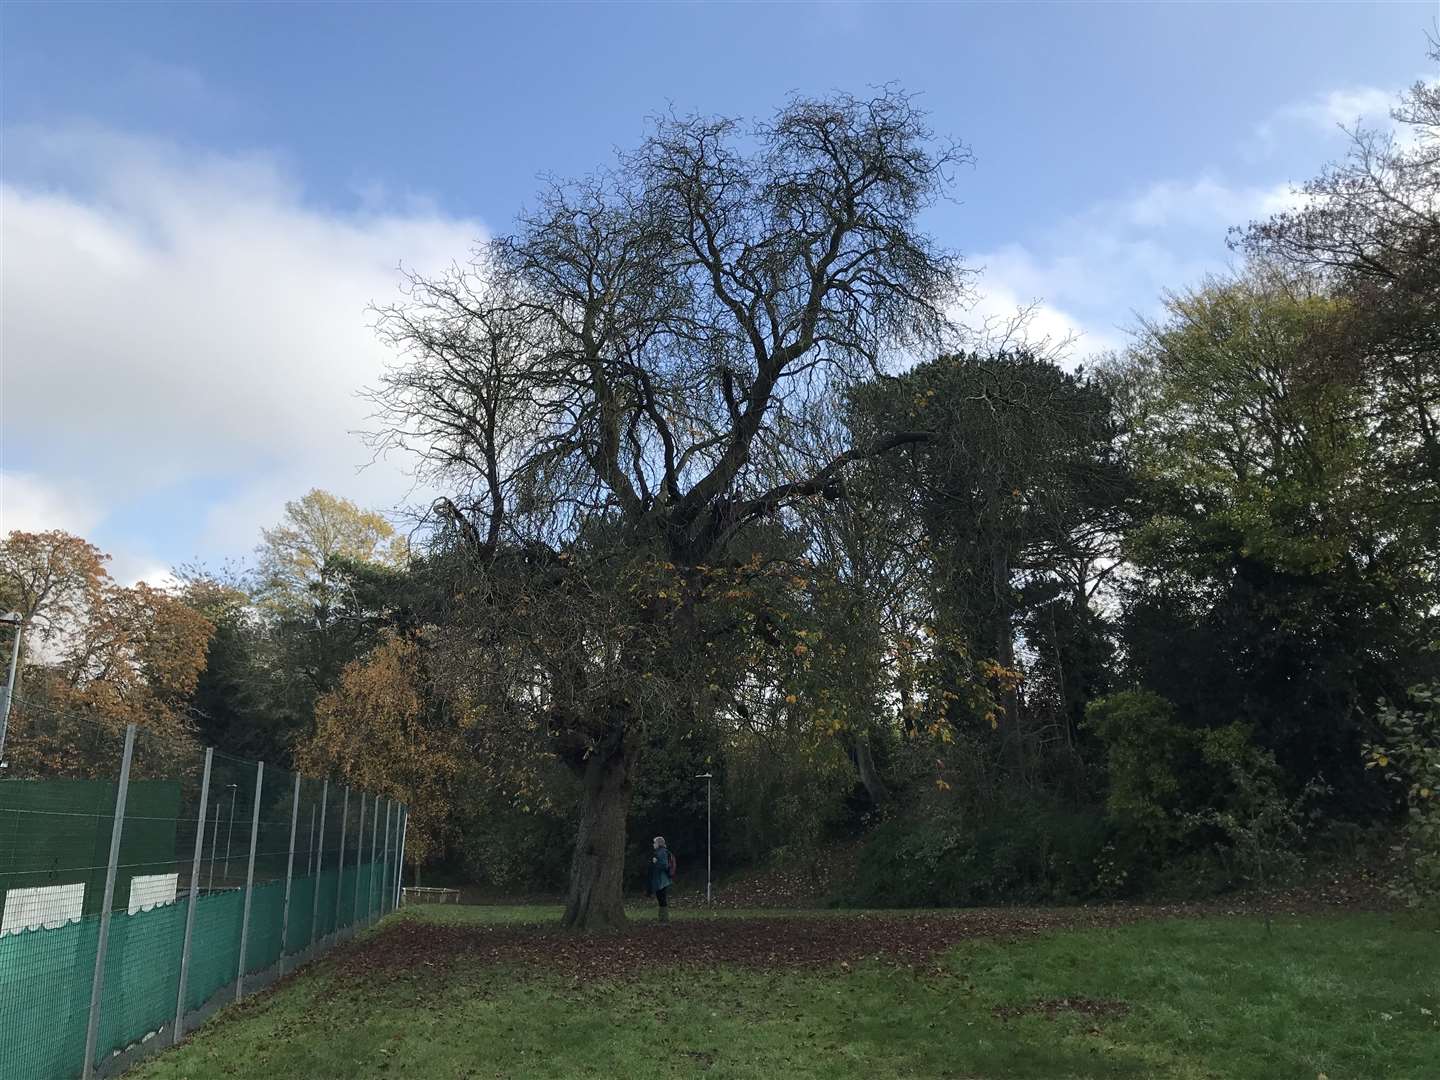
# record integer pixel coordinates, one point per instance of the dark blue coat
(659, 869)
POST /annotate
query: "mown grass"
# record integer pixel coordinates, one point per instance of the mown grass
(1341, 996)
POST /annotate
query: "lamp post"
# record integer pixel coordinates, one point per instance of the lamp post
(214, 841)
(16, 620)
(230, 828)
(707, 777)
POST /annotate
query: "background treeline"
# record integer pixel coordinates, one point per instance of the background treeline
(1157, 625)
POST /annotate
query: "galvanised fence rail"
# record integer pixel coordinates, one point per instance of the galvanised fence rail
(145, 882)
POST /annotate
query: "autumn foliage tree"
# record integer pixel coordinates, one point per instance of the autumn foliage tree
(303, 560)
(382, 730)
(51, 578)
(99, 653)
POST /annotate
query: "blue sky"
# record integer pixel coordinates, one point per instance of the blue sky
(200, 200)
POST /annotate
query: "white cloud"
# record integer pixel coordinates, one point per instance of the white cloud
(188, 325)
(1207, 203)
(1090, 276)
(131, 572)
(1329, 114)
(1001, 315)
(1366, 105)
(29, 504)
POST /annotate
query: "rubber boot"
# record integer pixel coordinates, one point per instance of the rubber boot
(664, 915)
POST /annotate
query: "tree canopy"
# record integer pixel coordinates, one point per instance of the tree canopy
(626, 391)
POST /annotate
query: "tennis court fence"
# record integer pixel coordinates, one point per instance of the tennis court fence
(146, 881)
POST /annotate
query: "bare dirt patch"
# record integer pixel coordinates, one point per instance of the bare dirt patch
(423, 950)
(414, 951)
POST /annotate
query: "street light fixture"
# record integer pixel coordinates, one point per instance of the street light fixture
(16, 620)
(707, 777)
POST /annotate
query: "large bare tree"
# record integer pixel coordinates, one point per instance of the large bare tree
(624, 397)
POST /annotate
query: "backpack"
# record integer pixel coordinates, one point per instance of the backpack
(671, 868)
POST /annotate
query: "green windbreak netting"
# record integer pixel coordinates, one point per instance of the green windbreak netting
(347, 896)
(267, 909)
(142, 975)
(57, 832)
(45, 978)
(325, 921)
(377, 886)
(199, 830)
(302, 905)
(369, 882)
(214, 946)
(362, 887)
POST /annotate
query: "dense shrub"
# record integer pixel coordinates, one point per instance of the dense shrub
(517, 846)
(938, 861)
(1409, 757)
(1148, 755)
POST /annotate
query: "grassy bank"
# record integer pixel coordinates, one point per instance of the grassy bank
(1352, 996)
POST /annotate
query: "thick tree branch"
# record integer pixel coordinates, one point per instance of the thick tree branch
(822, 480)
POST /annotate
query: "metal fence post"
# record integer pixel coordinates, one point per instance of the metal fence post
(340, 873)
(400, 862)
(375, 848)
(289, 870)
(319, 863)
(249, 882)
(310, 851)
(97, 982)
(359, 858)
(178, 1031)
(385, 873)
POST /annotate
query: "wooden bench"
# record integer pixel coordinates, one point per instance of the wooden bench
(415, 894)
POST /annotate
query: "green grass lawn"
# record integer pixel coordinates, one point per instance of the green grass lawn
(1354, 996)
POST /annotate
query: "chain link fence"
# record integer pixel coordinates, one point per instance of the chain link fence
(146, 882)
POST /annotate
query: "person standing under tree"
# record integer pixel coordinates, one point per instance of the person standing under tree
(662, 870)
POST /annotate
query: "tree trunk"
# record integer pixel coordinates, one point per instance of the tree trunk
(597, 870)
(865, 766)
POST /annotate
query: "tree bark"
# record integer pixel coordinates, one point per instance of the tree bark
(597, 869)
